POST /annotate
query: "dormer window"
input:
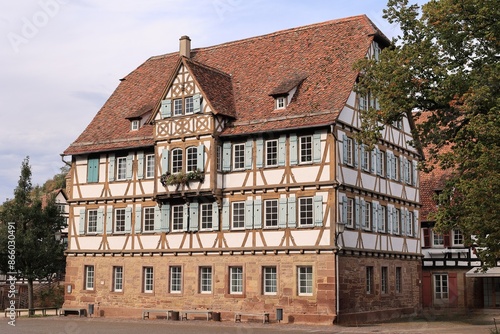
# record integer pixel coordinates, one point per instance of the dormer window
(281, 102)
(134, 125)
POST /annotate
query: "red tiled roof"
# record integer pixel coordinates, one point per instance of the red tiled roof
(245, 72)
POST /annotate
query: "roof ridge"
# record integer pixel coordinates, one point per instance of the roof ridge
(272, 34)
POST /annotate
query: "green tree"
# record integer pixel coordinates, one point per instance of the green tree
(38, 255)
(445, 65)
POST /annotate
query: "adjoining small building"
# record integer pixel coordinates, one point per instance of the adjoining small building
(228, 178)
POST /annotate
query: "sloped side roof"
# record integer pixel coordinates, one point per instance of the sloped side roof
(248, 70)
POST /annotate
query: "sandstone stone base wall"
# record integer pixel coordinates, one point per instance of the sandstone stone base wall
(358, 306)
(317, 308)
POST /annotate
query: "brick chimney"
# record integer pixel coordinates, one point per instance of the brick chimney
(185, 46)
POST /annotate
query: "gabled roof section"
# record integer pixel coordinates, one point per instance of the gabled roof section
(237, 78)
(216, 86)
(288, 84)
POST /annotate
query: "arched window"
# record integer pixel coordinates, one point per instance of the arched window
(192, 159)
(176, 160)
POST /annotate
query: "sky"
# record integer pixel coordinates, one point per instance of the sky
(61, 59)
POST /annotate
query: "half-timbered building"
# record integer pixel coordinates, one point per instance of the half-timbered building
(228, 178)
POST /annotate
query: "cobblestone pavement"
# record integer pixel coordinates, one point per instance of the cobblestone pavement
(453, 324)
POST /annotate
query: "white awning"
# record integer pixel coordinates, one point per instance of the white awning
(477, 272)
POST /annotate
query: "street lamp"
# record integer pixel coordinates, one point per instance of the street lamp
(339, 229)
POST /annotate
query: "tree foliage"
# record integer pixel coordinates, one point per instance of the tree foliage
(445, 65)
(38, 255)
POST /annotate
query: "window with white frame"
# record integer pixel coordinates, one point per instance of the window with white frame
(306, 211)
(384, 284)
(192, 159)
(177, 218)
(150, 166)
(383, 219)
(134, 125)
(363, 102)
(366, 159)
(409, 172)
(350, 212)
(280, 102)
(440, 286)
(396, 226)
(369, 280)
(305, 280)
(176, 160)
(305, 149)
(411, 222)
(238, 156)
(458, 237)
(349, 151)
(121, 169)
(399, 280)
(238, 215)
(117, 279)
(177, 107)
(188, 104)
(381, 163)
(205, 279)
(175, 279)
(236, 280)
(271, 153)
(368, 216)
(149, 219)
(271, 213)
(119, 220)
(206, 216)
(437, 239)
(269, 280)
(92, 221)
(395, 167)
(147, 279)
(89, 277)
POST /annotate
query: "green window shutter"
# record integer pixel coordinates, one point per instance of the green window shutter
(292, 212)
(164, 161)
(109, 220)
(318, 211)
(130, 160)
(356, 156)
(140, 165)
(165, 218)
(226, 156)
(401, 168)
(260, 153)
(388, 165)
(281, 150)
(415, 223)
(344, 209)
(128, 219)
(138, 219)
(249, 214)
(380, 213)
(81, 225)
(215, 216)
(193, 216)
(293, 150)
(166, 108)
(282, 213)
(363, 158)
(257, 213)
(362, 218)
(93, 170)
(374, 216)
(225, 214)
(344, 149)
(200, 159)
(185, 217)
(197, 103)
(415, 173)
(373, 165)
(378, 167)
(111, 170)
(100, 221)
(248, 154)
(157, 221)
(389, 220)
(358, 212)
(317, 147)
